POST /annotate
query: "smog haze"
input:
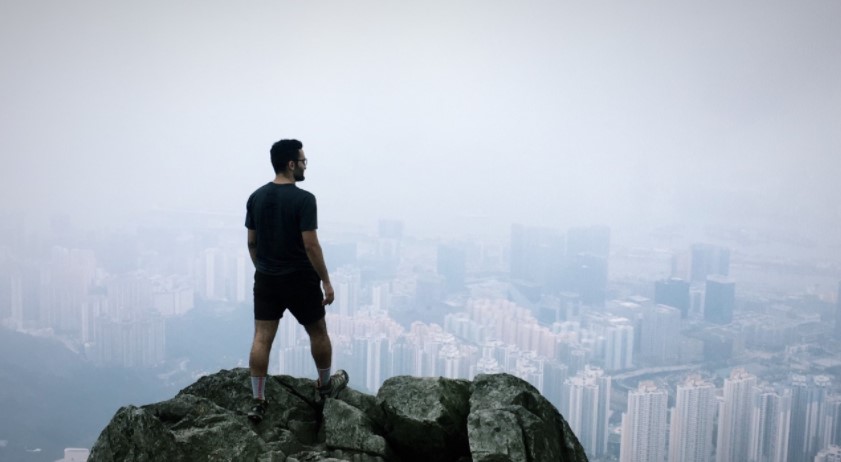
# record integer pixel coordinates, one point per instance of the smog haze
(448, 115)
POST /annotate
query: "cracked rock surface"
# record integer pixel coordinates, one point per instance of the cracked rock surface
(494, 418)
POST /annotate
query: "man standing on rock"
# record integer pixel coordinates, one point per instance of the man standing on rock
(282, 221)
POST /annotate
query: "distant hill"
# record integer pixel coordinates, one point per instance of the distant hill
(50, 398)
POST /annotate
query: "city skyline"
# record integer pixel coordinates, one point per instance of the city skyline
(453, 308)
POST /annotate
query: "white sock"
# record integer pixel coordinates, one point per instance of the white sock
(258, 387)
(324, 376)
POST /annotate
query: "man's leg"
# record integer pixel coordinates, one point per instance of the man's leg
(258, 361)
(322, 354)
(321, 348)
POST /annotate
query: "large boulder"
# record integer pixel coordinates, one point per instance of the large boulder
(426, 417)
(346, 427)
(510, 420)
(495, 418)
(136, 434)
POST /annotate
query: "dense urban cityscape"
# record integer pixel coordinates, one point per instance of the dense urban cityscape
(631, 206)
(651, 353)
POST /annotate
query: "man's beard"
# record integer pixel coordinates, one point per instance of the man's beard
(299, 176)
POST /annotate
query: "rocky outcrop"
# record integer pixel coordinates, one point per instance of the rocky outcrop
(495, 418)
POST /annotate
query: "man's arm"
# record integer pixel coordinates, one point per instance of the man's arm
(316, 257)
(252, 245)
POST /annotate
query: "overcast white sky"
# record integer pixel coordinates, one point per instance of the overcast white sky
(446, 114)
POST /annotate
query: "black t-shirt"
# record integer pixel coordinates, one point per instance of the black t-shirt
(279, 213)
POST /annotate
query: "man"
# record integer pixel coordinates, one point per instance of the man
(282, 221)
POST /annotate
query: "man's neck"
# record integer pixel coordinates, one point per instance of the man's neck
(284, 178)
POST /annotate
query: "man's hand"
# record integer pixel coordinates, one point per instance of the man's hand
(329, 295)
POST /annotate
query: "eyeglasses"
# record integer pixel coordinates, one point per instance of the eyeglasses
(304, 160)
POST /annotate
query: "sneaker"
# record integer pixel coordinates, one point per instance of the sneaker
(337, 383)
(258, 410)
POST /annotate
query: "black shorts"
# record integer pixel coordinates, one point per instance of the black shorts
(300, 292)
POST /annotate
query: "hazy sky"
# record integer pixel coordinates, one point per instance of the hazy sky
(449, 115)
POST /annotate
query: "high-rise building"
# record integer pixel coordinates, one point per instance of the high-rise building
(719, 300)
(586, 408)
(403, 357)
(429, 290)
(554, 376)
(616, 340)
(33, 277)
(451, 363)
(130, 296)
(708, 260)
(644, 425)
(692, 421)
(347, 281)
(577, 360)
(530, 368)
(339, 254)
(381, 296)
(587, 253)
(696, 301)
(210, 274)
(734, 417)
(659, 339)
(808, 394)
(594, 240)
(452, 265)
(487, 364)
(224, 274)
(680, 264)
(838, 313)
(589, 277)
(295, 359)
(93, 307)
(289, 333)
(172, 296)
(138, 342)
(565, 306)
(377, 361)
(390, 236)
(358, 366)
(460, 325)
(673, 292)
(512, 355)
(7, 273)
(830, 454)
(769, 427)
(70, 275)
(537, 257)
(831, 421)
(75, 455)
(16, 301)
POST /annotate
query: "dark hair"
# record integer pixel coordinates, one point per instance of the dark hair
(284, 151)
